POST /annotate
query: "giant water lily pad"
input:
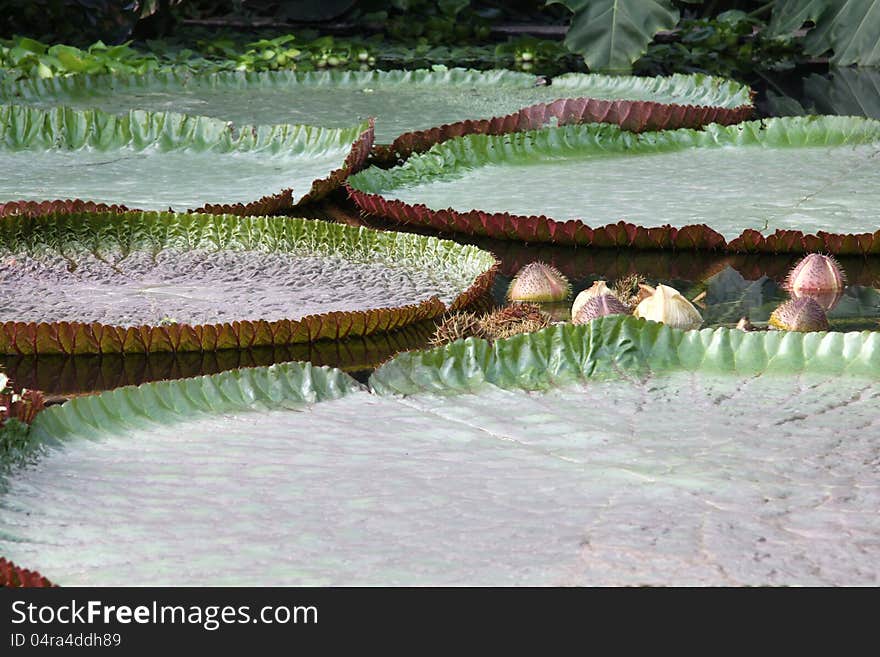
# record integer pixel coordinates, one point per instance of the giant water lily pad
(143, 282)
(791, 184)
(157, 161)
(620, 452)
(415, 109)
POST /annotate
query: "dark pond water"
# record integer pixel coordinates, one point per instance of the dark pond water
(729, 287)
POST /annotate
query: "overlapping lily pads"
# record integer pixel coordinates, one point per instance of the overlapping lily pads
(566, 456)
(780, 185)
(415, 109)
(160, 282)
(157, 161)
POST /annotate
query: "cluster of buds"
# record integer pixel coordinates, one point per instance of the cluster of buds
(816, 285)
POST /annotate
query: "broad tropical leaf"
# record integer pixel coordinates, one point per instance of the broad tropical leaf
(612, 34)
(841, 91)
(850, 29)
(846, 91)
(790, 15)
(536, 460)
(812, 185)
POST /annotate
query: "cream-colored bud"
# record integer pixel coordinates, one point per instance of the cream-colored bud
(668, 306)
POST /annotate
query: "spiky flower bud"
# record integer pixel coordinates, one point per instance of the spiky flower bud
(539, 282)
(597, 289)
(816, 273)
(606, 304)
(802, 314)
(817, 276)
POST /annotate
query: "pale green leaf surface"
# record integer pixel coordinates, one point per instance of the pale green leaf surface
(800, 173)
(402, 101)
(153, 161)
(708, 457)
(145, 268)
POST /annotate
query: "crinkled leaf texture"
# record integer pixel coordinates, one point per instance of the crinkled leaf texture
(812, 185)
(619, 452)
(155, 160)
(125, 283)
(414, 109)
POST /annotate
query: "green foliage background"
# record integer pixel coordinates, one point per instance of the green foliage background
(725, 37)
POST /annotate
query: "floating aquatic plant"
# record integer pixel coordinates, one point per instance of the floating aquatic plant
(666, 305)
(802, 315)
(499, 456)
(414, 109)
(474, 185)
(158, 160)
(148, 282)
(539, 282)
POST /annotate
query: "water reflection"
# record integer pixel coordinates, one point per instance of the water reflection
(735, 285)
(725, 287)
(66, 376)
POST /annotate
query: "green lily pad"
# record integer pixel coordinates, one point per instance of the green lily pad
(157, 161)
(405, 102)
(144, 282)
(620, 452)
(813, 180)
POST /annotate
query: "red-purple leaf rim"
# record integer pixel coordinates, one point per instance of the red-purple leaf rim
(151, 231)
(16, 577)
(64, 376)
(373, 189)
(632, 115)
(505, 101)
